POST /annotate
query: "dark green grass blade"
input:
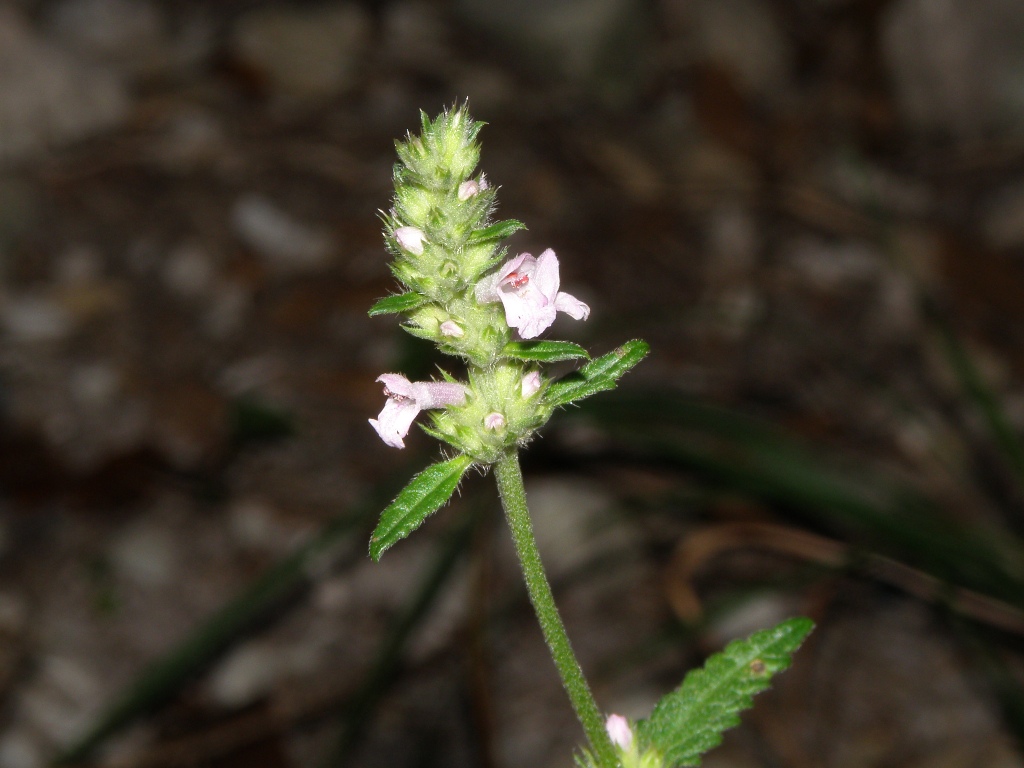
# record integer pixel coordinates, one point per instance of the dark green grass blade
(264, 597)
(738, 454)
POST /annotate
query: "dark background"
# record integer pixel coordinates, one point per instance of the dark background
(813, 210)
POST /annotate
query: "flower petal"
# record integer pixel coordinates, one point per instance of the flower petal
(397, 384)
(572, 306)
(437, 394)
(487, 290)
(394, 421)
(545, 274)
(524, 260)
(528, 314)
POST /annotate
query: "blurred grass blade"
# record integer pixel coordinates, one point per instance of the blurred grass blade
(164, 677)
(981, 394)
(360, 707)
(734, 452)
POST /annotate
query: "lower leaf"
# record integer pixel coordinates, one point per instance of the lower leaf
(425, 494)
(690, 721)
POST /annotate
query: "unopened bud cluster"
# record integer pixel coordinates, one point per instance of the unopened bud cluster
(464, 295)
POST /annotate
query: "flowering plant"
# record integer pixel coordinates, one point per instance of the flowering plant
(466, 295)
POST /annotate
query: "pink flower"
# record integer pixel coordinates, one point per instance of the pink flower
(406, 399)
(528, 288)
(451, 328)
(411, 239)
(619, 731)
(494, 421)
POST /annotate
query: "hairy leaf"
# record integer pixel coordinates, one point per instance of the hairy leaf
(690, 721)
(425, 494)
(598, 375)
(391, 305)
(497, 231)
(545, 351)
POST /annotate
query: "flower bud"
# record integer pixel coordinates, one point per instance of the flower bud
(619, 732)
(531, 383)
(453, 329)
(494, 421)
(468, 189)
(411, 239)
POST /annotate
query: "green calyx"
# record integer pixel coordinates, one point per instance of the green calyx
(496, 417)
(466, 329)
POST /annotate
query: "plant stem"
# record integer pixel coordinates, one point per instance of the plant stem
(513, 499)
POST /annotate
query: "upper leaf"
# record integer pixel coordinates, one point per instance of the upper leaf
(598, 375)
(423, 496)
(402, 302)
(497, 231)
(690, 721)
(545, 351)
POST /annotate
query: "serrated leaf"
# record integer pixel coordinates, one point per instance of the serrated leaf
(391, 305)
(425, 494)
(598, 375)
(545, 351)
(690, 721)
(497, 231)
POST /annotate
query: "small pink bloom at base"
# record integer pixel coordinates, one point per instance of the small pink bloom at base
(411, 239)
(619, 731)
(531, 383)
(453, 329)
(528, 289)
(406, 399)
(494, 421)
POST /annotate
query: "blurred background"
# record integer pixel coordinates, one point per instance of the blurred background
(812, 209)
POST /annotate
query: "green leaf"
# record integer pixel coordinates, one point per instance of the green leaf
(598, 375)
(391, 305)
(497, 231)
(690, 721)
(425, 494)
(545, 351)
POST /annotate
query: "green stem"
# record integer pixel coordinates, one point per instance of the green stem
(513, 499)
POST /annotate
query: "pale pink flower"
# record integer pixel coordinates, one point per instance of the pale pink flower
(494, 420)
(528, 289)
(619, 731)
(531, 383)
(453, 329)
(406, 399)
(411, 239)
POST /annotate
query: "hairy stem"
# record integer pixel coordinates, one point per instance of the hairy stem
(513, 499)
